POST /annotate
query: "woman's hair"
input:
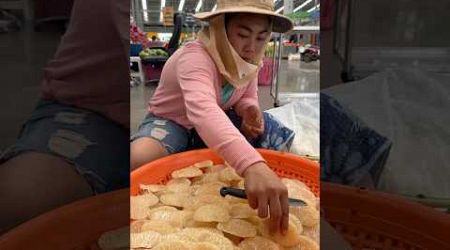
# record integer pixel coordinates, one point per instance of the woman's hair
(228, 17)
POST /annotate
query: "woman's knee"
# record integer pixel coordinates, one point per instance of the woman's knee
(33, 183)
(144, 150)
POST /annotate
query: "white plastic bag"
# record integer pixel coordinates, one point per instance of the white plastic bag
(302, 116)
(411, 108)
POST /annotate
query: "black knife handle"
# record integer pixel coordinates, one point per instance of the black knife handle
(236, 192)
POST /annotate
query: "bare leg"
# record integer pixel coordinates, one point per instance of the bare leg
(34, 183)
(144, 150)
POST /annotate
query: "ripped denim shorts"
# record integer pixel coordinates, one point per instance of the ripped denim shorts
(176, 138)
(97, 147)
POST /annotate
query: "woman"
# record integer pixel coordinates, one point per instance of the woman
(208, 95)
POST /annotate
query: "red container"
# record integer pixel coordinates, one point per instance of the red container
(153, 71)
(153, 67)
(265, 73)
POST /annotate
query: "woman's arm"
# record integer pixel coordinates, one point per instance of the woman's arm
(266, 192)
(196, 75)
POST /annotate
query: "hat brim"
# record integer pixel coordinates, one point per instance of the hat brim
(281, 24)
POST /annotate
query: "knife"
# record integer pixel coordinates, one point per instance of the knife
(240, 193)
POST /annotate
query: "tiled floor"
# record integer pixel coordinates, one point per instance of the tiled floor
(294, 76)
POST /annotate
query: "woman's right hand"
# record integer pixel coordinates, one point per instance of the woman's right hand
(268, 194)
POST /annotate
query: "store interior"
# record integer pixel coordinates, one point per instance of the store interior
(296, 77)
(392, 80)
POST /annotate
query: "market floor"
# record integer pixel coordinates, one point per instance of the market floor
(294, 76)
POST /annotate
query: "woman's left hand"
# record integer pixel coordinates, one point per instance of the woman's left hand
(252, 122)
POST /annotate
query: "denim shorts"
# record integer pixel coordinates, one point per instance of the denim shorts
(176, 138)
(97, 147)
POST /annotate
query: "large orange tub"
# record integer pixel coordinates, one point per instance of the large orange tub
(74, 226)
(283, 164)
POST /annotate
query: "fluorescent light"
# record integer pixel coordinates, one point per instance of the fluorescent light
(199, 5)
(180, 7)
(144, 8)
(313, 8)
(214, 8)
(279, 10)
(163, 4)
(302, 5)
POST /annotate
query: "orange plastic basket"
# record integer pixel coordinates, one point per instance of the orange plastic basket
(74, 226)
(284, 164)
(375, 220)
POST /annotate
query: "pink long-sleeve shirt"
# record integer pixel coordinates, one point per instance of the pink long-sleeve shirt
(91, 67)
(189, 93)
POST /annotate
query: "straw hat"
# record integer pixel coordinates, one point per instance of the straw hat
(281, 23)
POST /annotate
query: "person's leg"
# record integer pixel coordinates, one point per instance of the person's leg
(33, 183)
(63, 154)
(144, 150)
(157, 137)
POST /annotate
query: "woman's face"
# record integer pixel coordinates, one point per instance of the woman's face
(247, 34)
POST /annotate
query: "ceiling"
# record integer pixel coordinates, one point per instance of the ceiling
(152, 15)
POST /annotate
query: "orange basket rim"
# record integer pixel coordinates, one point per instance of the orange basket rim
(268, 152)
(370, 210)
(42, 229)
(310, 168)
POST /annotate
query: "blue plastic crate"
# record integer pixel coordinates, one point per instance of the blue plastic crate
(135, 49)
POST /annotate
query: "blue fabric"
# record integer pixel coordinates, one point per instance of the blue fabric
(176, 138)
(349, 149)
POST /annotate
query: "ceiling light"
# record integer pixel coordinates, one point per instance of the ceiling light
(180, 7)
(313, 8)
(144, 8)
(279, 10)
(199, 5)
(302, 5)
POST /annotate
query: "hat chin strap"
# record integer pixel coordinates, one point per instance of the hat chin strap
(231, 66)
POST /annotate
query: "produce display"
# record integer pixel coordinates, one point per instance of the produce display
(137, 35)
(188, 212)
(149, 52)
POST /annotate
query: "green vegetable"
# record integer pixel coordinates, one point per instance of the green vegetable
(152, 53)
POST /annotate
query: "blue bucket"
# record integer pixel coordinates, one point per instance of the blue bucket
(135, 49)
